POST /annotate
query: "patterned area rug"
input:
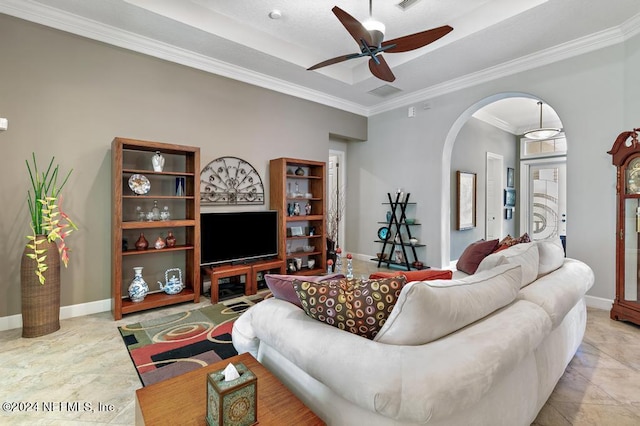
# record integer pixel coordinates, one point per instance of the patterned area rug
(165, 347)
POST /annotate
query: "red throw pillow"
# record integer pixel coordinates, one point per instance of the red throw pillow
(424, 275)
(473, 255)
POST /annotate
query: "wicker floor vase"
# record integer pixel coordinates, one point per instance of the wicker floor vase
(40, 302)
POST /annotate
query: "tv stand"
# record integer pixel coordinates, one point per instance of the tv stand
(248, 269)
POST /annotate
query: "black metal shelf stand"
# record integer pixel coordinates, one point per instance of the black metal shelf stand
(397, 220)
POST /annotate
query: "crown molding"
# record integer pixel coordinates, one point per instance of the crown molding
(494, 121)
(557, 53)
(54, 18)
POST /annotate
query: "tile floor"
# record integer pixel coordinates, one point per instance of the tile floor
(82, 374)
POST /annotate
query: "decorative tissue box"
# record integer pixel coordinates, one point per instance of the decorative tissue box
(234, 402)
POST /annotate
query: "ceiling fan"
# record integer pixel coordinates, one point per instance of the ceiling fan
(369, 36)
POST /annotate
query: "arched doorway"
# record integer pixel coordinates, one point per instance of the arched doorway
(523, 214)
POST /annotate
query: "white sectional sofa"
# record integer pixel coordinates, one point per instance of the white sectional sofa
(483, 349)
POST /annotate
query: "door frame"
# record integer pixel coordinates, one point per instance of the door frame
(342, 179)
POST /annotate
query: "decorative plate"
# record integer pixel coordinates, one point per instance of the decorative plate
(139, 184)
(383, 233)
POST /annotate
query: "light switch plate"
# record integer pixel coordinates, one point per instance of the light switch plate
(4, 124)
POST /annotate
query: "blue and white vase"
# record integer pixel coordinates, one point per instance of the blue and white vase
(138, 288)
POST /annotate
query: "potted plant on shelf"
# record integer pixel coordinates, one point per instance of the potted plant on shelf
(46, 246)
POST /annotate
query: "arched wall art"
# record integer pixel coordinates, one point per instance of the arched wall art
(230, 181)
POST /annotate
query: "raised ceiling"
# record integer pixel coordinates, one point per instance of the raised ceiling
(238, 39)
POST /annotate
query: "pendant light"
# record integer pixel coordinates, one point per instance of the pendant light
(541, 132)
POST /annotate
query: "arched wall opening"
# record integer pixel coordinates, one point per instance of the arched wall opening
(452, 136)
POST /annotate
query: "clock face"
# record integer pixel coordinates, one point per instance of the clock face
(230, 180)
(633, 176)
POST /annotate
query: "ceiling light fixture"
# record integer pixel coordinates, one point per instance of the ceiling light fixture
(541, 132)
(275, 14)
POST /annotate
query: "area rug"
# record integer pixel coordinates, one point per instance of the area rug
(165, 347)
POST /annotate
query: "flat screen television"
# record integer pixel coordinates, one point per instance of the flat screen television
(236, 237)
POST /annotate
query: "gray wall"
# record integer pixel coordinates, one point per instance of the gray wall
(475, 139)
(68, 97)
(595, 96)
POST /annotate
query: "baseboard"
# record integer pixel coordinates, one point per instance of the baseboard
(598, 302)
(15, 321)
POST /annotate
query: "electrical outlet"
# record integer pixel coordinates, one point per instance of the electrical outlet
(412, 112)
(4, 124)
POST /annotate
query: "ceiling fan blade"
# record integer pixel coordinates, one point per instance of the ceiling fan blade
(381, 70)
(334, 61)
(417, 40)
(355, 28)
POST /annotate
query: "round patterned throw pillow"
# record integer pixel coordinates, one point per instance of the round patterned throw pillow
(358, 306)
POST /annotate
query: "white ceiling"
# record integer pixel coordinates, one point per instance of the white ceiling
(237, 39)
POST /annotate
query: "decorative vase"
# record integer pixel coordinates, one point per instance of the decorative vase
(170, 240)
(159, 244)
(299, 171)
(40, 302)
(155, 210)
(142, 243)
(138, 288)
(290, 209)
(158, 162)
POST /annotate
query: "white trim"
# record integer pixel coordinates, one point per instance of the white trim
(15, 321)
(598, 302)
(54, 18)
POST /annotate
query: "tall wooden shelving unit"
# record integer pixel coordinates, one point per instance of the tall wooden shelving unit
(287, 187)
(131, 157)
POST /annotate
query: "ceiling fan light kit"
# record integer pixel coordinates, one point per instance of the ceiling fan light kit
(370, 35)
(542, 133)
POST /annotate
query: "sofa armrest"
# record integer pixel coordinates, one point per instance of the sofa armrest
(406, 383)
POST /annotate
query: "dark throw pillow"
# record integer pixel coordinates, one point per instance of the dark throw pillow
(473, 255)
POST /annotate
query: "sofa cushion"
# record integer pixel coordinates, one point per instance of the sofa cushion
(423, 275)
(551, 255)
(473, 255)
(558, 293)
(428, 310)
(525, 254)
(360, 307)
(282, 285)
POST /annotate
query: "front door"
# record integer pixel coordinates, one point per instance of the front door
(547, 199)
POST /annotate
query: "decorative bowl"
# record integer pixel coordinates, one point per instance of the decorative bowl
(382, 255)
(413, 241)
(307, 248)
(409, 221)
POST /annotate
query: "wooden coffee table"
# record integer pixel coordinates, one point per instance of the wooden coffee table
(183, 399)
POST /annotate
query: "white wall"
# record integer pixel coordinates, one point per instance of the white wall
(589, 94)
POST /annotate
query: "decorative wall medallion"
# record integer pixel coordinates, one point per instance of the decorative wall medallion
(230, 180)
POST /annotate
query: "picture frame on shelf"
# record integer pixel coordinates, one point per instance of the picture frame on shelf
(466, 200)
(510, 197)
(510, 177)
(297, 231)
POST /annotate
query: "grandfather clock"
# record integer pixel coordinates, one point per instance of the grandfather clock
(626, 158)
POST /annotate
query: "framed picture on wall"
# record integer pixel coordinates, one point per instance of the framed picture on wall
(510, 177)
(466, 197)
(508, 214)
(510, 197)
